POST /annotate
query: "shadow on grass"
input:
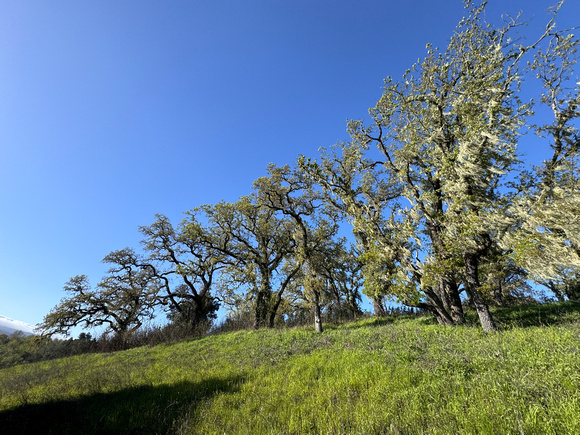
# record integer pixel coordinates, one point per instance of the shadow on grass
(361, 323)
(389, 320)
(528, 315)
(520, 316)
(139, 410)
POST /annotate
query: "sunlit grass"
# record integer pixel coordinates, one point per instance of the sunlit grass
(372, 376)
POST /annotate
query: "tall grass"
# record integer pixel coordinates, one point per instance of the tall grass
(370, 377)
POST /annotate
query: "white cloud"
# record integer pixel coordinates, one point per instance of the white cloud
(9, 326)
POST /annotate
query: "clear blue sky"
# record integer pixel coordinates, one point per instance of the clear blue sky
(112, 111)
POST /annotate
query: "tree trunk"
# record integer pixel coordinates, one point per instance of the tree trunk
(435, 305)
(272, 314)
(472, 289)
(444, 295)
(378, 307)
(338, 304)
(317, 312)
(498, 294)
(262, 304)
(353, 307)
(451, 290)
(260, 311)
(441, 317)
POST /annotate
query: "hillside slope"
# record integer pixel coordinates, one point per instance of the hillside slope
(372, 376)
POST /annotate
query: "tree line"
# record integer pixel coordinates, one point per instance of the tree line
(444, 212)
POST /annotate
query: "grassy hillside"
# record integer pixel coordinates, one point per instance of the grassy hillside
(370, 377)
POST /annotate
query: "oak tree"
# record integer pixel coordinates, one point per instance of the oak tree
(122, 300)
(185, 268)
(255, 242)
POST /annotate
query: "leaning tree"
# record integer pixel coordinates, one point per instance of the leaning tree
(425, 182)
(122, 300)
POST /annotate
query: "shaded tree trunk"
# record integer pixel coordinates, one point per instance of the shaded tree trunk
(353, 308)
(498, 294)
(378, 307)
(338, 303)
(451, 290)
(273, 306)
(273, 311)
(436, 307)
(444, 296)
(261, 310)
(472, 289)
(263, 303)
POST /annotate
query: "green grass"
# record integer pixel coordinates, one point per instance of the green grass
(406, 376)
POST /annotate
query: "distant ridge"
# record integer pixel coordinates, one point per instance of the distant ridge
(9, 326)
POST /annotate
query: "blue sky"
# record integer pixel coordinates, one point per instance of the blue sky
(112, 111)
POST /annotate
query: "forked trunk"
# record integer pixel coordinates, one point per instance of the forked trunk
(472, 289)
(455, 308)
(435, 305)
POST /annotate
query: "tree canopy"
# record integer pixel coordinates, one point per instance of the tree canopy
(445, 215)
